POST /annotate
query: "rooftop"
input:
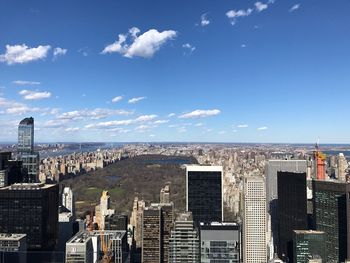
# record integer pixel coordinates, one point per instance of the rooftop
(27, 186)
(14, 237)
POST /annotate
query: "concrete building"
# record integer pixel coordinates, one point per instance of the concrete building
(13, 248)
(184, 241)
(165, 194)
(220, 242)
(204, 193)
(68, 200)
(254, 220)
(136, 220)
(308, 244)
(103, 210)
(342, 166)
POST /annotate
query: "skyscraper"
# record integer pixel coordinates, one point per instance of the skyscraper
(31, 209)
(254, 220)
(30, 159)
(272, 167)
(220, 242)
(68, 200)
(184, 241)
(291, 210)
(331, 213)
(26, 136)
(204, 193)
(152, 235)
(308, 244)
(342, 166)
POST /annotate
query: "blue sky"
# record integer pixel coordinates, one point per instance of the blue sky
(178, 70)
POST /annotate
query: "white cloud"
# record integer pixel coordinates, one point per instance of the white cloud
(135, 100)
(260, 6)
(234, 131)
(107, 124)
(294, 8)
(204, 20)
(116, 99)
(59, 52)
(262, 128)
(16, 108)
(95, 114)
(243, 46)
(234, 14)
(20, 54)
(221, 132)
(242, 126)
(199, 114)
(161, 121)
(55, 124)
(144, 45)
(189, 47)
(72, 129)
(34, 95)
(171, 115)
(25, 82)
(181, 130)
(199, 124)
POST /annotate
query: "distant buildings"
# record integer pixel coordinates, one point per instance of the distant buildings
(204, 193)
(31, 209)
(291, 210)
(254, 220)
(220, 242)
(331, 213)
(308, 244)
(184, 241)
(13, 248)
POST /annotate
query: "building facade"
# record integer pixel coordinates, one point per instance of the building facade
(291, 210)
(204, 193)
(254, 220)
(220, 242)
(184, 241)
(331, 214)
(308, 244)
(13, 248)
(31, 209)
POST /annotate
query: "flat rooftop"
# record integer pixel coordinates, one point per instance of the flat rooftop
(84, 236)
(12, 237)
(27, 186)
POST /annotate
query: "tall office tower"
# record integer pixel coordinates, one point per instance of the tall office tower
(220, 242)
(116, 222)
(152, 240)
(331, 213)
(30, 159)
(254, 220)
(31, 209)
(68, 199)
(165, 194)
(5, 157)
(291, 210)
(26, 136)
(13, 248)
(184, 241)
(204, 193)
(342, 166)
(3, 178)
(272, 167)
(308, 244)
(136, 220)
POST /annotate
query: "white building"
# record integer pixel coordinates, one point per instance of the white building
(254, 221)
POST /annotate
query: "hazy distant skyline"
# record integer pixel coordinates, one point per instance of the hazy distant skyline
(176, 70)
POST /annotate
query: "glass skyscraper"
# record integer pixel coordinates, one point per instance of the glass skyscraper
(26, 136)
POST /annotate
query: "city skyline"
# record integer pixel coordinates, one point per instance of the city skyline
(245, 71)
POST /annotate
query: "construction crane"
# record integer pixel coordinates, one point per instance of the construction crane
(106, 246)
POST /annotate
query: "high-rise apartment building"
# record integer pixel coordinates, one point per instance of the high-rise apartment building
(342, 166)
(291, 210)
(331, 213)
(184, 241)
(204, 193)
(152, 240)
(254, 220)
(30, 159)
(308, 244)
(68, 199)
(31, 209)
(220, 242)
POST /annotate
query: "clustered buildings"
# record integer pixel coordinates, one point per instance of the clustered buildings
(253, 205)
